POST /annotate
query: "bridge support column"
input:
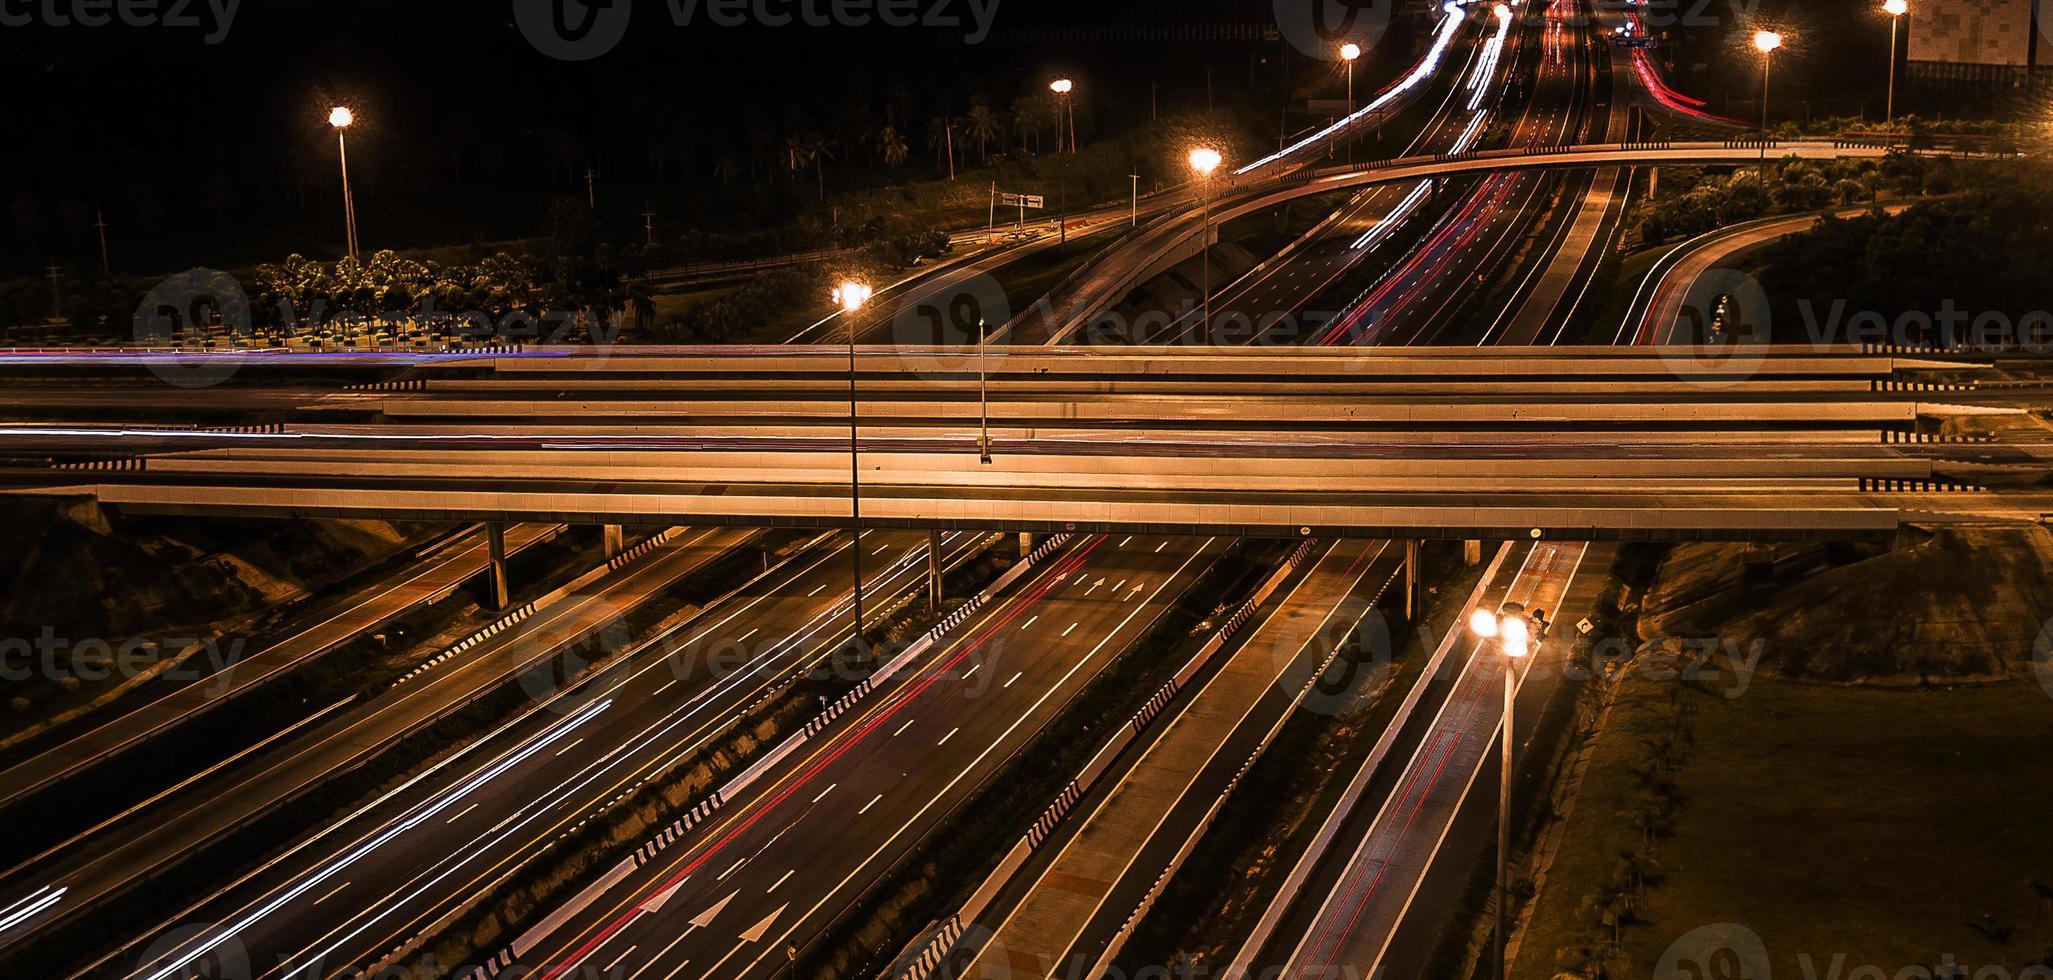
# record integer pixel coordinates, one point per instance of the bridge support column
(616, 540)
(1411, 580)
(1472, 552)
(934, 568)
(495, 547)
(1026, 543)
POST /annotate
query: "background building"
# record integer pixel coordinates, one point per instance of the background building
(1982, 45)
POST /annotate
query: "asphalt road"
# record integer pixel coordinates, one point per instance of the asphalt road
(425, 581)
(1358, 915)
(101, 864)
(1120, 841)
(360, 887)
(776, 868)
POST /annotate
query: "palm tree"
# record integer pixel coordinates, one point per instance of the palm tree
(941, 140)
(644, 303)
(986, 126)
(820, 150)
(1027, 121)
(891, 147)
(798, 155)
(725, 166)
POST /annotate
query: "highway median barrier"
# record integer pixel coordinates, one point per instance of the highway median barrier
(763, 720)
(930, 950)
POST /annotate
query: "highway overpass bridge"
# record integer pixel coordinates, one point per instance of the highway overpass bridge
(1602, 443)
(1069, 314)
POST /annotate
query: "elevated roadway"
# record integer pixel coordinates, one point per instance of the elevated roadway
(1169, 240)
(1632, 442)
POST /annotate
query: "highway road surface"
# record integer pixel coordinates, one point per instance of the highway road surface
(417, 584)
(363, 886)
(1674, 303)
(1079, 899)
(104, 862)
(775, 868)
(1356, 917)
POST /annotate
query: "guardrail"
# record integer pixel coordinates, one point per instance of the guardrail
(700, 270)
(1197, 834)
(924, 955)
(506, 957)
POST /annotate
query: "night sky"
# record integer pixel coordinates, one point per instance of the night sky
(466, 131)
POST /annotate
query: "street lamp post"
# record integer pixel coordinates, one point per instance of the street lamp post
(1203, 161)
(851, 296)
(1350, 53)
(983, 396)
(1895, 9)
(1514, 638)
(1062, 87)
(340, 117)
(1765, 42)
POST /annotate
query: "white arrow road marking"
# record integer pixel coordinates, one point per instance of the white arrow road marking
(756, 932)
(654, 903)
(705, 918)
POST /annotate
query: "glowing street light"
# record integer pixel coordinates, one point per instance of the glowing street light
(1895, 9)
(1765, 42)
(1350, 53)
(1514, 637)
(341, 118)
(1062, 87)
(851, 296)
(1203, 161)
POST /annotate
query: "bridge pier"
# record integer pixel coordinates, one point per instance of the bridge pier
(616, 540)
(1026, 543)
(1472, 552)
(934, 568)
(495, 547)
(1411, 580)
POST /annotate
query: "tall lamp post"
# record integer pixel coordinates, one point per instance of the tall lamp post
(1203, 161)
(983, 395)
(1895, 9)
(340, 117)
(1062, 87)
(1508, 627)
(851, 296)
(1765, 42)
(1350, 53)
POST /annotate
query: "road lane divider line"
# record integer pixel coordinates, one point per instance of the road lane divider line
(584, 899)
(1329, 830)
(924, 956)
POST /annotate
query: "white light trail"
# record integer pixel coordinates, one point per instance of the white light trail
(215, 937)
(39, 901)
(1454, 15)
(1486, 66)
(1396, 216)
